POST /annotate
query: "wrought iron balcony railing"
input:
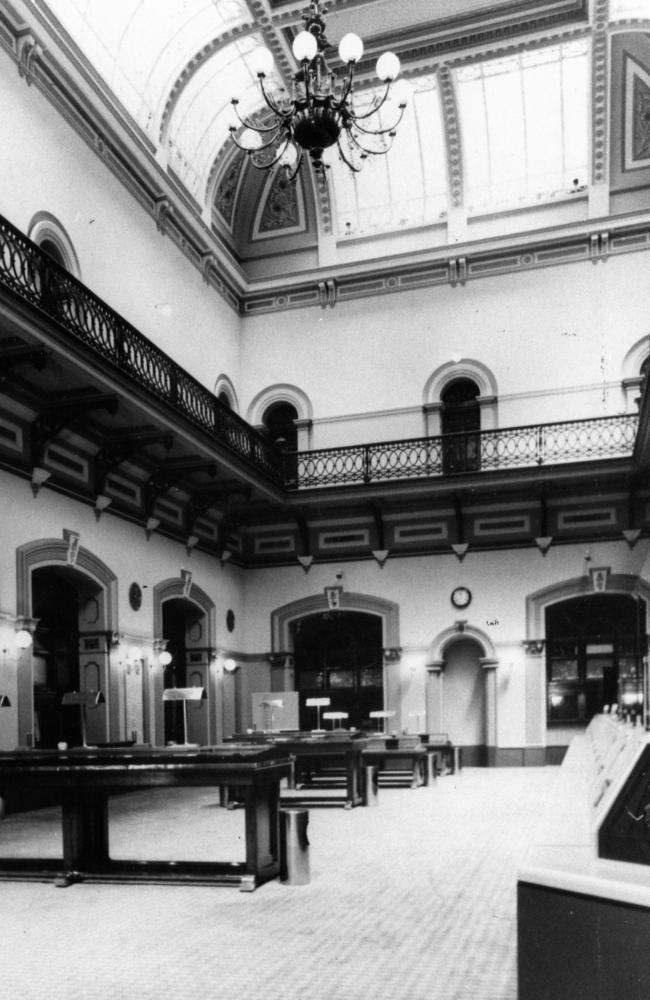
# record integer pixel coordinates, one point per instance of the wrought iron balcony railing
(453, 454)
(36, 278)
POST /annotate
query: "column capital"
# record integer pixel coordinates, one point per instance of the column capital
(534, 647)
(435, 666)
(488, 663)
(392, 654)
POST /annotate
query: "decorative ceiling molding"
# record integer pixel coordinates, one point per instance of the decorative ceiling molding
(636, 145)
(585, 243)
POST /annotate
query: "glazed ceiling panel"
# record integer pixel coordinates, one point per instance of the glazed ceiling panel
(141, 47)
(624, 9)
(408, 186)
(524, 126)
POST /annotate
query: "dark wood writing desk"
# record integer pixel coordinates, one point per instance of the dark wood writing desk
(315, 755)
(82, 780)
(393, 760)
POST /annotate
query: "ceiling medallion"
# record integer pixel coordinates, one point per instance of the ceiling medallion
(320, 112)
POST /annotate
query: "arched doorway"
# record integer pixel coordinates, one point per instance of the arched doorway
(465, 699)
(183, 629)
(71, 653)
(338, 655)
(184, 618)
(461, 418)
(594, 655)
(279, 421)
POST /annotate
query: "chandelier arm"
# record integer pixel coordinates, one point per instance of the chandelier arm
(347, 89)
(294, 173)
(276, 159)
(371, 152)
(259, 149)
(375, 106)
(378, 131)
(247, 124)
(347, 162)
(272, 105)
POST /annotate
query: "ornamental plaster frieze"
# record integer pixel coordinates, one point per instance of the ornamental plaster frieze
(574, 244)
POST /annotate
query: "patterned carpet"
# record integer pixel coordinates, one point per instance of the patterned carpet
(414, 899)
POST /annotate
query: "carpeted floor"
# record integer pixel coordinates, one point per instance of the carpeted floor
(413, 900)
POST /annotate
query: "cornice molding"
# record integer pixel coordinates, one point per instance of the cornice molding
(593, 241)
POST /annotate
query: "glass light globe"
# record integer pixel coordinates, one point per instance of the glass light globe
(262, 62)
(229, 666)
(304, 46)
(165, 658)
(23, 638)
(250, 139)
(350, 48)
(289, 156)
(388, 67)
(401, 93)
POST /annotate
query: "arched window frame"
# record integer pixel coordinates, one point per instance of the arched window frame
(45, 226)
(224, 385)
(632, 378)
(449, 372)
(284, 393)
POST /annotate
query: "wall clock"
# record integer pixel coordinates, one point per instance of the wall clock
(135, 596)
(461, 597)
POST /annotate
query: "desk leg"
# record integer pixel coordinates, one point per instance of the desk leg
(432, 770)
(85, 833)
(262, 819)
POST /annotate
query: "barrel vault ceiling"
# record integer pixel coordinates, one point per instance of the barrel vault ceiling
(507, 132)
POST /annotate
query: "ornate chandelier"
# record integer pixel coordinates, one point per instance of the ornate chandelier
(320, 111)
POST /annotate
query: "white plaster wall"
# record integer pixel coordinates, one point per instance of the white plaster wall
(123, 258)
(554, 338)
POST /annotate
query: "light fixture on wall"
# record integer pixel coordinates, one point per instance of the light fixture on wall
(164, 658)
(230, 666)
(23, 638)
(320, 112)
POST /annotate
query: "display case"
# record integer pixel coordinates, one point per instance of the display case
(583, 893)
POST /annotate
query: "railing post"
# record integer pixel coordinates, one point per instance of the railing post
(366, 463)
(540, 446)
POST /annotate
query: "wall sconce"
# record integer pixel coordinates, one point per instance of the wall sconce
(165, 658)
(39, 476)
(23, 638)
(230, 665)
(102, 502)
(150, 526)
(192, 542)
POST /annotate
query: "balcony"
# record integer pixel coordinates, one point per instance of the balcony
(505, 449)
(35, 278)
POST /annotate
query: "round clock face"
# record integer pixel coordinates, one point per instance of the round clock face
(135, 596)
(460, 597)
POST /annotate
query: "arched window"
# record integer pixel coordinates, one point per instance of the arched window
(279, 421)
(461, 418)
(48, 233)
(224, 398)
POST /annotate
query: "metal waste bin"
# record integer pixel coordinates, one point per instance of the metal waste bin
(371, 781)
(294, 846)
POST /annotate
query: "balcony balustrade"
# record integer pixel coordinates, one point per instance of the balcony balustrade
(472, 452)
(39, 280)
(32, 275)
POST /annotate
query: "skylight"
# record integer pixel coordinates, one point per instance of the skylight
(622, 10)
(524, 126)
(406, 187)
(140, 47)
